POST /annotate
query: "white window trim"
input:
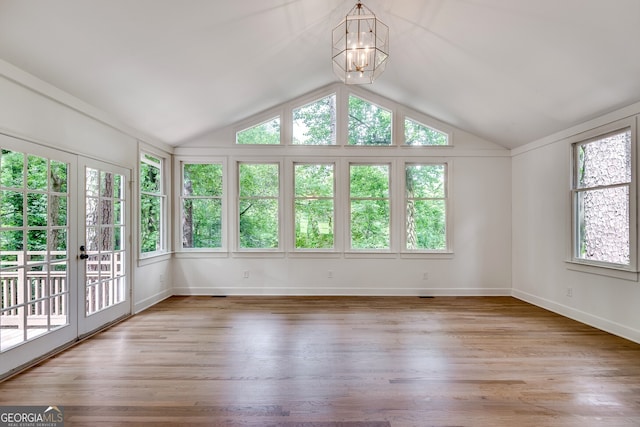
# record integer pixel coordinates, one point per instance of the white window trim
(627, 272)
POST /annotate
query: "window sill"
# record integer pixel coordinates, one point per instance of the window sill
(201, 254)
(152, 259)
(426, 255)
(258, 254)
(370, 254)
(602, 270)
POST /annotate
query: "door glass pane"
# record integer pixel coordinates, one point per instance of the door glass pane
(37, 173)
(34, 277)
(104, 233)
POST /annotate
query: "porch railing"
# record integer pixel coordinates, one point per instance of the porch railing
(34, 290)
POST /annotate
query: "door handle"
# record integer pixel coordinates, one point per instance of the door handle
(83, 252)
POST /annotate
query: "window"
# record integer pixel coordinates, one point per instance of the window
(426, 207)
(418, 134)
(259, 205)
(602, 179)
(152, 205)
(368, 123)
(266, 133)
(315, 123)
(314, 206)
(370, 206)
(201, 202)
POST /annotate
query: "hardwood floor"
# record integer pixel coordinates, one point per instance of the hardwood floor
(341, 362)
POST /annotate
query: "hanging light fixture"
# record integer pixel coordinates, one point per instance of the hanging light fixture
(360, 46)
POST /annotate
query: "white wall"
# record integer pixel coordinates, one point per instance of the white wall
(36, 111)
(541, 233)
(480, 265)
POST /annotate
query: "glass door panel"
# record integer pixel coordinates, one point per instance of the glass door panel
(105, 254)
(35, 264)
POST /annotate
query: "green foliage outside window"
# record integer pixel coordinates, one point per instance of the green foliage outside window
(259, 205)
(426, 207)
(202, 205)
(315, 123)
(264, 133)
(418, 134)
(37, 185)
(314, 206)
(370, 206)
(151, 204)
(368, 123)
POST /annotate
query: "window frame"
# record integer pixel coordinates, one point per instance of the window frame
(336, 205)
(165, 201)
(592, 266)
(179, 176)
(237, 249)
(448, 166)
(348, 239)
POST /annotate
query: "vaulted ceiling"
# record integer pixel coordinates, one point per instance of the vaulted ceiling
(510, 71)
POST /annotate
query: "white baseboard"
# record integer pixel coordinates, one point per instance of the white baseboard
(580, 316)
(340, 291)
(152, 300)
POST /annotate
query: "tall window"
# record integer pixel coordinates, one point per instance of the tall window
(426, 206)
(152, 204)
(259, 205)
(602, 178)
(201, 205)
(314, 206)
(370, 206)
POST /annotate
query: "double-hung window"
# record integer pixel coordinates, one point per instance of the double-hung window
(259, 205)
(152, 205)
(603, 200)
(201, 202)
(314, 205)
(426, 207)
(370, 202)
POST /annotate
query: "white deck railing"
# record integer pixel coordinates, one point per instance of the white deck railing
(26, 284)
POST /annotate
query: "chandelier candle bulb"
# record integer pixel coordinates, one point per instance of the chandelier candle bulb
(360, 46)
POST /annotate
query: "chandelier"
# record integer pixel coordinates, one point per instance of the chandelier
(360, 46)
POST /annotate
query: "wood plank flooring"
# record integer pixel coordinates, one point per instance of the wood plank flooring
(341, 362)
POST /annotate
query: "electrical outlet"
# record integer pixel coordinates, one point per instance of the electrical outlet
(245, 274)
(425, 276)
(330, 274)
(569, 292)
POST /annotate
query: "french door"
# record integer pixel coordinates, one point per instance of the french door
(51, 292)
(104, 294)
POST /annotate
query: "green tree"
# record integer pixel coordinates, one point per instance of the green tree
(264, 133)
(315, 123)
(202, 206)
(368, 123)
(259, 205)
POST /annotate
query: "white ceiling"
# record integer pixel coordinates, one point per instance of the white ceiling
(511, 71)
